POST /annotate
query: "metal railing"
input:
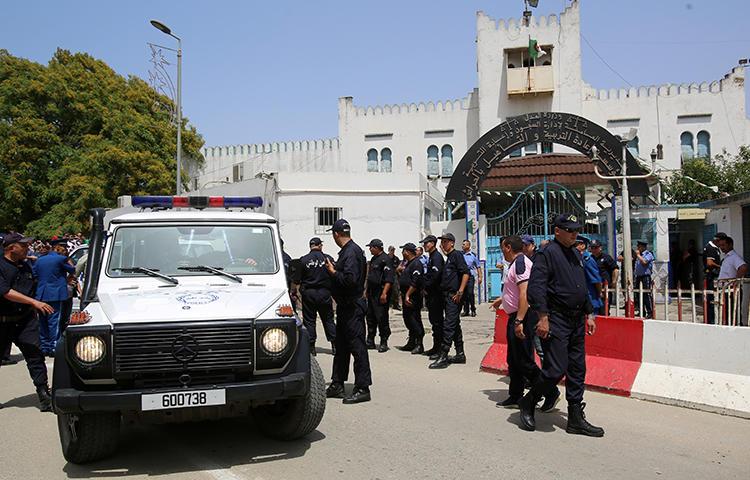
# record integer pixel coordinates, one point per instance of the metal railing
(724, 305)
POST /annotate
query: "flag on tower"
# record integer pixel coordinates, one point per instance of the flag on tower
(535, 51)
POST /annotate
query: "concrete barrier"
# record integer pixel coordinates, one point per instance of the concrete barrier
(696, 365)
(495, 360)
(613, 354)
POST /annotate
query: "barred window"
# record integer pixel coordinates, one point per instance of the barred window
(325, 217)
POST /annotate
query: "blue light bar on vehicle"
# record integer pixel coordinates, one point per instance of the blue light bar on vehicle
(199, 202)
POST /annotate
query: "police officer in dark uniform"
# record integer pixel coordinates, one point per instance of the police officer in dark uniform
(453, 285)
(557, 292)
(18, 312)
(411, 284)
(315, 289)
(348, 276)
(379, 284)
(435, 298)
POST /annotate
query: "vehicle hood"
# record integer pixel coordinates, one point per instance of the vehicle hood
(188, 303)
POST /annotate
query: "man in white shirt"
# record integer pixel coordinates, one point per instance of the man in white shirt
(733, 266)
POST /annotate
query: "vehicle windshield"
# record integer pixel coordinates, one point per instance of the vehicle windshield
(168, 249)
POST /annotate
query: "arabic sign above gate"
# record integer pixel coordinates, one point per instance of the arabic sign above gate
(566, 129)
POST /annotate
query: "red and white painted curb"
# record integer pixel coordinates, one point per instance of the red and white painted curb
(688, 364)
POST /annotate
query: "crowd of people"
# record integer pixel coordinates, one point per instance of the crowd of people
(37, 285)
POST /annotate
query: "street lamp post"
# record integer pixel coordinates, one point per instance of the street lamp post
(165, 29)
(626, 239)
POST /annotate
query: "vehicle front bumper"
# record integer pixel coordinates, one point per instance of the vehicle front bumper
(70, 400)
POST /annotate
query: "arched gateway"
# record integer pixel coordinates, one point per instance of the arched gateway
(562, 128)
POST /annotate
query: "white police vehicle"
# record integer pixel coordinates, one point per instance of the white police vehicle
(185, 315)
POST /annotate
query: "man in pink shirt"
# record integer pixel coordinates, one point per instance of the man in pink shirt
(520, 333)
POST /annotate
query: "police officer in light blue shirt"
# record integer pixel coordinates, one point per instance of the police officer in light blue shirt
(644, 265)
(593, 277)
(475, 268)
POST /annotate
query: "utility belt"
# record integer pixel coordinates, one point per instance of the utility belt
(567, 313)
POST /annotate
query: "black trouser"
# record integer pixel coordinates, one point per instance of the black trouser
(469, 303)
(521, 364)
(65, 312)
(350, 342)
(644, 280)
(413, 317)
(317, 301)
(6, 353)
(710, 313)
(377, 316)
(436, 315)
(25, 334)
(564, 354)
(452, 333)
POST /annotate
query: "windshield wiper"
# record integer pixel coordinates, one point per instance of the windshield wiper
(148, 271)
(214, 270)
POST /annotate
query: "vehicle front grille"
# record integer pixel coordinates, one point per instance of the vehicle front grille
(148, 348)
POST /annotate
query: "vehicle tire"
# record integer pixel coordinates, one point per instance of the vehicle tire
(296, 417)
(96, 435)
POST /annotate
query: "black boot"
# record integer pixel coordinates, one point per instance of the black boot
(335, 390)
(459, 357)
(441, 361)
(410, 344)
(359, 395)
(383, 347)
(527, 404)
(45, 398)
(550, 401)
(370, 343)
(578, 424)
(333, 348)
(312, 350)
(418, 348)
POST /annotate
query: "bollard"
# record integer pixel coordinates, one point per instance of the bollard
(666, 301)
(679, 302)
(692, 301)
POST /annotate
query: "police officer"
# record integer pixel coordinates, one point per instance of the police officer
(18, 312)
(315, 289)
(411, 283)
(557, 292)
(608, 269)
(435, 298)
(348, 276)
(593, 278)
(453, 285)
(475, 269)
(379, 284)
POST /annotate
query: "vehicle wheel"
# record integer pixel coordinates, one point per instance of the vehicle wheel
(88, 437)
(294, 418)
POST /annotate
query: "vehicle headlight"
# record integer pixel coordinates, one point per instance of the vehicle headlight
(90, 349)
(274, 340)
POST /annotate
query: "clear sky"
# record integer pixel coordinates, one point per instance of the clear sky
(259, 71)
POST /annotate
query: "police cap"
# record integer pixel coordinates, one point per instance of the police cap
(340, 226)
(409, 246)
(448, 236)
(567, 221)
(315, 241)
(375, 242)
(11, 238)
(527, 239)
(595, 244)
(429, 238)
(583, 240)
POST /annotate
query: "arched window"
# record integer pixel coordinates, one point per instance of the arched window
(372, 160)
(633, 147)
(433, 164)
(704, 144)
(385, 160)
(516, 153)
(408, 164)
(446, 160)
(686, 142)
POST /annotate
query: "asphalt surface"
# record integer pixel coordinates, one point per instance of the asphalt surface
(420, 424)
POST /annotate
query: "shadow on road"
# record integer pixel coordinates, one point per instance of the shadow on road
(190, 447)
(27, 401)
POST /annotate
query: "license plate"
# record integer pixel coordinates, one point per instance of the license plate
(187, 399)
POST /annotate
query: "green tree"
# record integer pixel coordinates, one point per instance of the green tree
(75, 135)
(730, 173)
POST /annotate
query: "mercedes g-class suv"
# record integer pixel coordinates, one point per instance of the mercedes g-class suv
(185, 315)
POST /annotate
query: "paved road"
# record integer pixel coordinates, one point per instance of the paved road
(420, 424)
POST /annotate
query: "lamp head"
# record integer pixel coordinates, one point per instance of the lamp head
(160, 26)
